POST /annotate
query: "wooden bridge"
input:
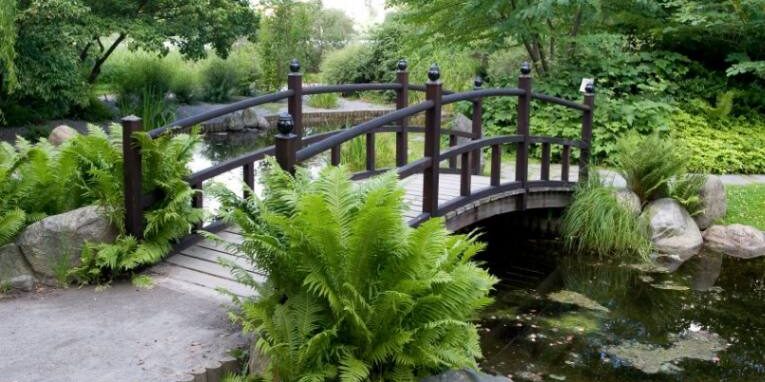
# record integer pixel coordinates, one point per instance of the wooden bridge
(444, 182)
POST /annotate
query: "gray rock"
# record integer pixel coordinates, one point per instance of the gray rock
(628, 199)
(61, 134)
(674, 233)
(54, 244)
(713, 202)
(737, 240)
(464, 375)
(14, 270)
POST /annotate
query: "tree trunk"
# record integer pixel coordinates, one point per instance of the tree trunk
(96, 70)
(574, 32)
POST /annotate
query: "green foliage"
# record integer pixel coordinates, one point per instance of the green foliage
(353, 154)
(596, 223)
(746, 205)
(324, 101)
(285, 34)
(220, 81)
(348, 65)
(648, 163)
(687, 191)
(7, 50)
(352, 292)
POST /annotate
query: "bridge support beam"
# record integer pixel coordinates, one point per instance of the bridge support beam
(295, 102)
(402, 101)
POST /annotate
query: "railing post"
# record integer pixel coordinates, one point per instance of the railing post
(286, 143)
(432, 141)
(584, 154)
(131, 154)
(522, 154)
(248, 175)
(402, 101)
(295, 102)
(477, 127)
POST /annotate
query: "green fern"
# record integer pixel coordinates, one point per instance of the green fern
(354, 293)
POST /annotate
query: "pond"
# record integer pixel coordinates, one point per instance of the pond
(563, 317)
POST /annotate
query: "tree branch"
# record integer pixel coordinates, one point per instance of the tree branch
(96, 70)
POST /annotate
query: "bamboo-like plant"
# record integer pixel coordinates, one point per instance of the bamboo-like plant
(352, 292)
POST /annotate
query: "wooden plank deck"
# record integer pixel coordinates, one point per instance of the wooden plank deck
(197, 267)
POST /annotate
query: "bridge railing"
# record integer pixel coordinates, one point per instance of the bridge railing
(292, 147)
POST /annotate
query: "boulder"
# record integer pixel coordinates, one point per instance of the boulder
(54, 244)
(14, 271)
(737, 240)
(628, 200)
(61, 134)
(674, 233)
(713, 202)
(464, 375)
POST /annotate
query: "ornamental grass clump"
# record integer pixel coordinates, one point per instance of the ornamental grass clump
(352, 292)
(648, 164)
(596, 223)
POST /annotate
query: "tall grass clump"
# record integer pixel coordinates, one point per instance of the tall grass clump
(324, 101)
(648, 163)
(596, 223)
(352, 293)
(220, 81)
(353, 154)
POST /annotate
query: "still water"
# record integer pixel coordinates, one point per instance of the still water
(563, 317)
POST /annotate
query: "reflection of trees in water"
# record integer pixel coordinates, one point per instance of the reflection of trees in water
(221, 146)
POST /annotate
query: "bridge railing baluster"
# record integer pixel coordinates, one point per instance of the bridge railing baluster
(524, 110)
(584, 153)
(452, 160)
(286, 143)
(402, 101)
(477, 126)
(565, 158)
(496, 162)
(545, 171)
(295, 101)
(248, 175)
(371, 152)
(465, 174)
(433, 93)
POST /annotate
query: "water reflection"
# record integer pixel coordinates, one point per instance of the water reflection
(702, 323)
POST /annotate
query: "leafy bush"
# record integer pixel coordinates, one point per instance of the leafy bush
(324, 101)
(348, 65)
(648, 163)
(185, 85)
(352, 292)
(220, 81)
(596, 223)
(687, 191)
(141, 75)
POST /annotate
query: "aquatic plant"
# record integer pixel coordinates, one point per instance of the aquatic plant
(597, 223)
(648, 164)
(352, 292)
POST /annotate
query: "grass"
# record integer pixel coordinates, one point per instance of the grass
(324, 101)
(746, 205)
(142, 281)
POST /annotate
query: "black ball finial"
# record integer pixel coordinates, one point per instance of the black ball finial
(478, 81)
(402, 64)
(434, 73)
(590, 87)
(525, 68)
(285, 124)
(294, 65)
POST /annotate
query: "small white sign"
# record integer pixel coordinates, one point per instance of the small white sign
(585, 82)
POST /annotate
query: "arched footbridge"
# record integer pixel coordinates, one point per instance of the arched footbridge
(450, 179)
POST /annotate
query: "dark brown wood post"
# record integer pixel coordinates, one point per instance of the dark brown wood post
(433, 93)
(465, 174)
(295, 102)
(477, 127)
(335, 155)
(565, 158)
(131, 154)
(545, 173)
(584, 154)
(286, 143)
(524, 109)
(452, 160)
(371, 154)
(197, 201)
(496, 162)
(248, 174)
(402, 101)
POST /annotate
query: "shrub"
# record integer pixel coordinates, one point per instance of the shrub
(324, 101)
(142, 74)
(352, 292)
(648, 163)
(348, 65)
(220, 81)
(596, 223)
(185, 85)
(94, 111)
(687, 191)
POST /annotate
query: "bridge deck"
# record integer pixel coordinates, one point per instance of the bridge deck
(196, 268)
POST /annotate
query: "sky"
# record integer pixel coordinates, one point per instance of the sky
(363, 12)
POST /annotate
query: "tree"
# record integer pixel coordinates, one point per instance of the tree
(7, 42)
(150, 25)
(332, 29)
(285, 34)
